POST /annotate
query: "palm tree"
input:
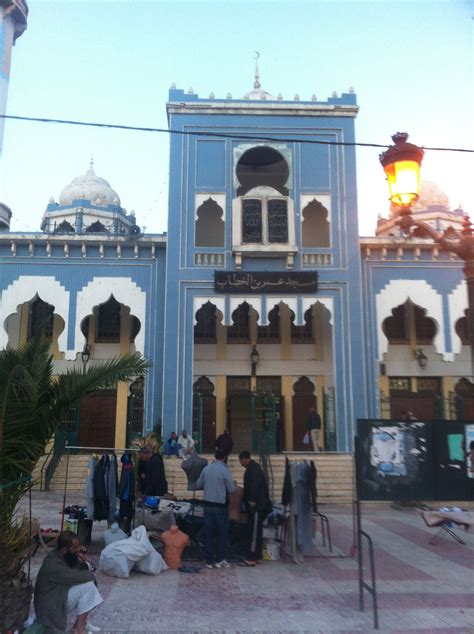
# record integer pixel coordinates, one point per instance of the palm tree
(33, 404)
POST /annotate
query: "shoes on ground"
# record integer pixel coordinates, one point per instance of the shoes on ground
(92, 628)
(222, 564)
(211, 566)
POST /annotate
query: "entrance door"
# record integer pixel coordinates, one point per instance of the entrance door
(239, 420)
(204, 415)
(97, 419)
(265, 418)
(303, 399)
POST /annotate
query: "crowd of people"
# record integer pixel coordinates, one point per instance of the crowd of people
(66, 582)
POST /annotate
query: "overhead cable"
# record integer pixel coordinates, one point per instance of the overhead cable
(223, 135)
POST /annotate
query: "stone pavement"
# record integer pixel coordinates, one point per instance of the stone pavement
(421, 587)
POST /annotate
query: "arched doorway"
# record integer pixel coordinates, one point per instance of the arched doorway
(204, 415)
(303, 399)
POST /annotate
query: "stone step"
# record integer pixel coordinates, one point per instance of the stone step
(335, 474)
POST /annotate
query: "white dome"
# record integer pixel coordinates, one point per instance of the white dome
(89, 187)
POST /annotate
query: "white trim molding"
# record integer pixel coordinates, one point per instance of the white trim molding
(98, 291)
(457, 304)
(324, 199)
(199, 301)
(201, 198)
(422, 294)
(23, 290)
(253, 300)
(327, 302)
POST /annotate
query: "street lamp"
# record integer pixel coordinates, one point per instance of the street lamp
(86, 355)
(421, 358)
(254, 358)
(401, 163)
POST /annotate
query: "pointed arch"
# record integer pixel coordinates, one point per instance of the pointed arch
(99, 290)
(397, 292)
(26, 288)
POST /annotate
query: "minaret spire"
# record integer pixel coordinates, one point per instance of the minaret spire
(257, 85)
(91, 165)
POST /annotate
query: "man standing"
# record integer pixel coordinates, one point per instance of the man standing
(258, 499)
(217, 483)
(313, 425)
(225, 443)
(151, 471)
(65, 583)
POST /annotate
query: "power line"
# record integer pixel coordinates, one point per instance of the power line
(223, 135)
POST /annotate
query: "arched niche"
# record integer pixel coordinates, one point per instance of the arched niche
(206, 319)
(25, 289)
(209, 226)
(409, 317)
(303, 399)
(98, 291)
(315, 226)
(262, 165)
(397, 292)
(108, 320)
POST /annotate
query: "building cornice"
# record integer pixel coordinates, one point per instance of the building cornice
(263, 108)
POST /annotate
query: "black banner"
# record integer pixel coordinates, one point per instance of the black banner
(266, 282)
(415, 460)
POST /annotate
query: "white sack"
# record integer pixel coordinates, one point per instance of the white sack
(136, 552)
(153, 563)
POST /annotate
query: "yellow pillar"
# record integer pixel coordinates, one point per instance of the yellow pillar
(221, 404)
(318, 332)
(384, 390)
(56, 332)
(221, 342)
(24, 316)
(122, 386)
(447, 386)
(285, 332)
(287, 393)
(320, 400)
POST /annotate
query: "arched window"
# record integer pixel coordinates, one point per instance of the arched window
(462, 329)
(409, 318)
(210, 225)
(205, 328)
(40, 319)
(96, 227)
(315, 227)
(239, 332)
(264, 217)
(64, 227)
(262, 166)
(270, 333)
(304, 333)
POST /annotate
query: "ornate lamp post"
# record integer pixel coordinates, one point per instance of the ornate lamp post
(85, 355)
(401, 163)
(254, 358)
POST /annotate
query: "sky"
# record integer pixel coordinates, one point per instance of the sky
(410, 63)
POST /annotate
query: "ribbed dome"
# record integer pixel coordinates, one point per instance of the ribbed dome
(89, 187)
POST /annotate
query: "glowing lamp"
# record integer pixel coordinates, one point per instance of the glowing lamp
(401, 163)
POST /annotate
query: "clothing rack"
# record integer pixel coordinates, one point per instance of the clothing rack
(68, 448)
(296, 556)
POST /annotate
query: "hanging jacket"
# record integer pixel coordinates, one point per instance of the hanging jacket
(287, 486)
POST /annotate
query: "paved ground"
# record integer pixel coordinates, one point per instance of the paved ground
(422, 587)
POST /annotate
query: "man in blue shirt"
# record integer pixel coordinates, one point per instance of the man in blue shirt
(216, 480)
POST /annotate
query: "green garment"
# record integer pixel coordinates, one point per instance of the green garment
(54, 579)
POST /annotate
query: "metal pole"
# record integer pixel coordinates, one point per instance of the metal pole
(65, 485)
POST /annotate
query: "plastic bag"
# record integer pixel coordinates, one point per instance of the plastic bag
(306, 439)
(117, 559)
(153, 563)
(114, 534)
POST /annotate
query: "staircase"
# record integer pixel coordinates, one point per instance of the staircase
(335, 475)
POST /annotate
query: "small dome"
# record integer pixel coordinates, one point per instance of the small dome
(430, 194)
(89, 187)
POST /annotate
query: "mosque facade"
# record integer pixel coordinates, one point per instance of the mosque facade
(260, 302)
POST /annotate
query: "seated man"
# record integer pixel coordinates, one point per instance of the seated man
(186, 442)
(65, 583)
(172, 446)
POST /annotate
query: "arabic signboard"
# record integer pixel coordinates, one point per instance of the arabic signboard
(265, 282)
